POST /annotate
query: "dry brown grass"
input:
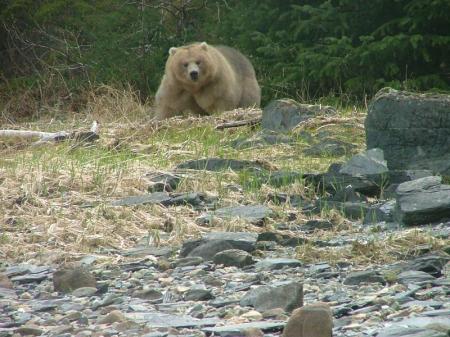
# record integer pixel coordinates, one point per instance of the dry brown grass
(56, 198)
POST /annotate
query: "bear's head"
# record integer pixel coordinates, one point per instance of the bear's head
(193, 65)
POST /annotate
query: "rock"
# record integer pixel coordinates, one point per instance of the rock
(239, 329)
(312, 225)
(432, 264)
(220, 164)
(68, 279)
(226, 240)
(112, 317)
(380, 212)
(400, 331)
(163, 320)
(250, 213)
(199, 200)
(285, 114)
(233, 257)
(29, 330)
(277, 263)
(422, 201)
(370, 163)
(413, 276)
(188, 261)
(332, 182)
(149, 294)
(314, 320)
(285, 295)
(198, 294)
(162, 181)
(84, 291)
(412, 129)
(283, 178)
(366, 276)
(330, 147)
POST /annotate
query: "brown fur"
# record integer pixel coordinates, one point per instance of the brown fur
(314, 320)
(226, 80)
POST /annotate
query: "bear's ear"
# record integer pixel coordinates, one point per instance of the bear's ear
(172, 51)
(204, 45)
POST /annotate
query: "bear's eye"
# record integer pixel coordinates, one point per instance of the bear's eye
(185, 65)
(198, 62)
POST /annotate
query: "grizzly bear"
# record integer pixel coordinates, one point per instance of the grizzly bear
(203, 79)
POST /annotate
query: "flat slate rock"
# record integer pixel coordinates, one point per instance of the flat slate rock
(366, 276)
(146, 250)
(250, 213)
(283, 115)
(167, 199)
(216, 242)
(422, 201)
(368, 163)
(412, 129)
(220, 164)
(162, 320)
(237, 329)
(415, 276)
(277, 263)
(400, 331)
(285, 295)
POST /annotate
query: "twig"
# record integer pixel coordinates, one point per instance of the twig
(249, 122)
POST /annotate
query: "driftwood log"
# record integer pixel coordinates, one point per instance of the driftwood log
(44, 137)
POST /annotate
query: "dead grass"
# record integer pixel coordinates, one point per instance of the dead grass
(56, 198)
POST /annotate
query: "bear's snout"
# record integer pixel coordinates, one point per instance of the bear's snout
(194, 75)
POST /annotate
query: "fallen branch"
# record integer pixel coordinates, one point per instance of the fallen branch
(82, 136)
(250, 122)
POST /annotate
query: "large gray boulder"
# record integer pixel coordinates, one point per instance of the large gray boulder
(412, 129)
(283, 115)
(422, 201)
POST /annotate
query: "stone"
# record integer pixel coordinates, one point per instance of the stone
(366, 276)
(195, 199)
(29, 330)
(285, 295)
(68, 279)
(400, 331)
(112, 317)
(314, 320)
(162, 181)
(277, 263)
(432, 264)
(198, 294)
(412, 129)
(250, 213)
(163, 320)
(233, 257)
(84, 291)
(413, 276)
(312, 225)
(370, 163)
(221, 164)
(283, 115)
(239, 329)
(422, 201)
(225, 240)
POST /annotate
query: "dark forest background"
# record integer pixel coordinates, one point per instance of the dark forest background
(345, 49)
